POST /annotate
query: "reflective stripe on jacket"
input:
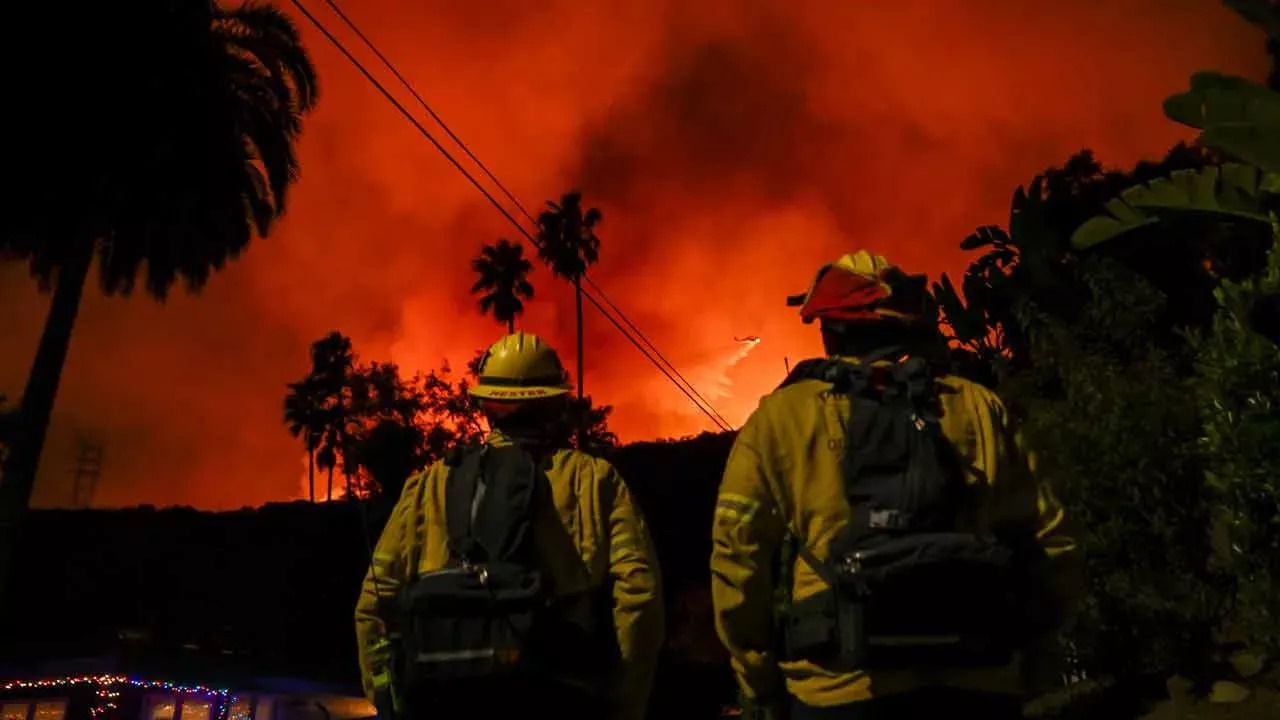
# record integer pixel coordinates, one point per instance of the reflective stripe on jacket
(784, 471)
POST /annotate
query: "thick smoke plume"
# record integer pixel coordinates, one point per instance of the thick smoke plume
(733, 147)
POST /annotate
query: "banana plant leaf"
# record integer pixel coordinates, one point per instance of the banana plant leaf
(986, 236)
(967, 322)
(1232, 191)
(1235, 115)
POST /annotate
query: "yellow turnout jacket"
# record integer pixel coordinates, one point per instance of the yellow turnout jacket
(784, 471)
(594, 537)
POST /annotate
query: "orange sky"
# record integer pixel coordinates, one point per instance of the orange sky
(733, 146)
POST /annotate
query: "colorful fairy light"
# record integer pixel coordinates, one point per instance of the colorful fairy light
(109, 686)
(238, 710)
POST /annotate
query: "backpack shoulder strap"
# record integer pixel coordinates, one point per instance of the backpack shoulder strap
(502, 510)
(811, 369)
(462, 493)
(842, 375)
(488, 502)
(882, 446)
(915, 380)
(836, 371)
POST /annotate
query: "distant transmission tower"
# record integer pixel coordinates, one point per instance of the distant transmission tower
(87, 471)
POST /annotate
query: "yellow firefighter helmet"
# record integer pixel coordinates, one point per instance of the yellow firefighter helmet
(861, 286)
(519, 367)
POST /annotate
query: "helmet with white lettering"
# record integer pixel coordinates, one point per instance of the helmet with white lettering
(520, 367)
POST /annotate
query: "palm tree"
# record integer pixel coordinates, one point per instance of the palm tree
(333, 367)
(503, 274)
(569, 246)
(304, 414)
(186, 154)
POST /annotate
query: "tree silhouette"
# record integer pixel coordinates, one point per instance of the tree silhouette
(389, 453)
(453, 416)
(503, 279)
(399, 426)
(304, 416)
(385, 437)
(333, 363)
(188, 154)
(1108, 311)
(1030, 262)
(371, 423)
(1213, 522)
(569, 246)
(314, 407)
(592, 425)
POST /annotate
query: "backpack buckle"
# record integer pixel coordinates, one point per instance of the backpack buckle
(852, 563)
(479, 570)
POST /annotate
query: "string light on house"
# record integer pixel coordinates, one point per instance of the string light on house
(108, 689)
(241, 712)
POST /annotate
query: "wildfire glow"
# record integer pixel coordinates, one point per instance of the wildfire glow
(733, 148)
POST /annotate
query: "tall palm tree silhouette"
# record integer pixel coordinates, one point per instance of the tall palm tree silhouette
(503, 278)
(304, 416)
(569, 246)
(333, 366)
(192, 155)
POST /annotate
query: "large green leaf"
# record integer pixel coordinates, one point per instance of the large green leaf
(1231, 191)
(1235, 115)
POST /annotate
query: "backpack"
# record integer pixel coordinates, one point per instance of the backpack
(906, 587)
(478, 618)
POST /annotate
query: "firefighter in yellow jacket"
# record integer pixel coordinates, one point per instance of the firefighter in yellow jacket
(594, 576)
(897, 606)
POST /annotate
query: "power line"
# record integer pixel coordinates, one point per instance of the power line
(710, 413)
(333, 5)
(692, 393)
(636, 330)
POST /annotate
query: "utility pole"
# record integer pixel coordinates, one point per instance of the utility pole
(88, 469)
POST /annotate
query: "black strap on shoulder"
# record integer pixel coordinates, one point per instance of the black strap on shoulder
(877, 441)
(845, 376)
(502, 524)
(462, 495)
(488, 502)
(811, 369)
(915, 378)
